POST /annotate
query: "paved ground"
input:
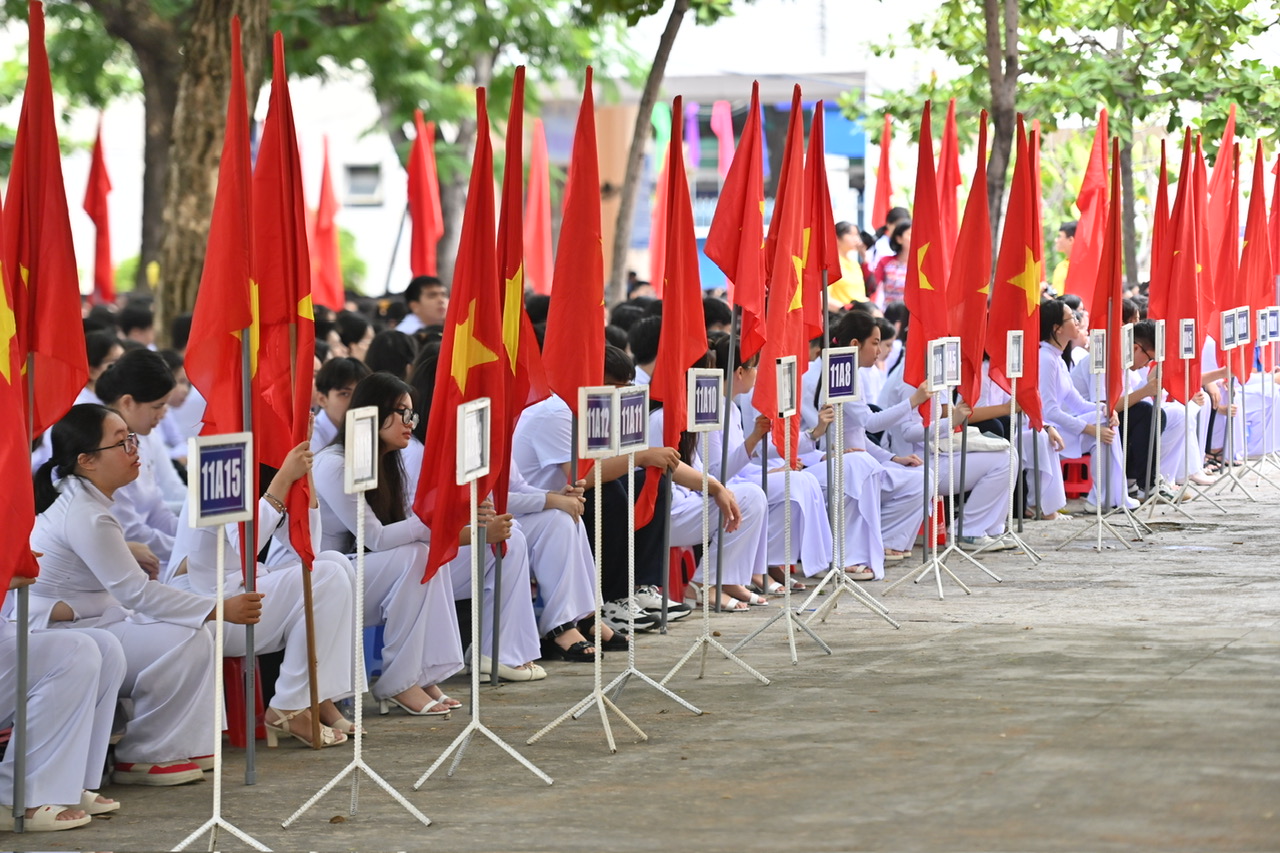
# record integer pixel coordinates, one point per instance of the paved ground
(1127, 700)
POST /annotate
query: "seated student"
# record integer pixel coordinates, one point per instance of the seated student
(542, 448)
(559, 550)
(73, 680)
(89, 579)
(102, 349)
(139, 387)
(138, 323)
(1048, 493)
(742, 511)
(871, 378)
(1071, 414)
(335, 382)
(171, 425)
(392, 352)
(427, 300)
(283, 626)
(642, 340)
(894, 501)
(810, 528)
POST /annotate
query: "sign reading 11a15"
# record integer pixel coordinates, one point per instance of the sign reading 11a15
(221, 490)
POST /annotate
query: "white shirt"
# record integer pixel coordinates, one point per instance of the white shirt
(87, 564)
(143, 507)
(323, 432)
(543, 442)
(642, 376)
(338, 512)
(199, 547)
(409, 324)
(45, 451)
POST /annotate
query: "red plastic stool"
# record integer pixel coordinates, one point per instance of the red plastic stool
(1075, 477)
(940, 526)
(680, 571)
(233, 687)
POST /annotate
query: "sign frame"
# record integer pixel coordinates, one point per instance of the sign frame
(788, 386)
(839, 356)
(360, 471)
(1187, 339)
(1014, 353)
(1126, 346)
(951, 361)
(230, 447)
(474, 419)
(935, 365)
(627, 398)
(1243, 326)
(1227, 330)
(1273, 323)
(591, 399)
(1158, 355)
(699, 381)
(1260, 321)
(1097, 351)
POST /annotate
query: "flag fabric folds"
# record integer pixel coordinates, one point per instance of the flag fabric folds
(884, 180)
(471, 365)
(281, 268)
(326, 264)
(573, 346)
(1256, 281)
(820, 251)
(95, 204)
(1015, 293)
(37, 251)
(926, 280)
(537, 215)
(784, 315)
(1173, 296)
(1086, 249)
(949, 183)
(226, 301)
(735, 241)
(525, 380)
(969, 284)
(1108, 292)
(424, 199)
(683, 339)
(722, 127)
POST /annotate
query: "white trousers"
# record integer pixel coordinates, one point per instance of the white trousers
(420, 641)
(518, 634)
(901, 505)
(986, 478)
(745, 549)
(284, 626)
(1052, 490)
(863, 524)
(73, 681)
(562, 564)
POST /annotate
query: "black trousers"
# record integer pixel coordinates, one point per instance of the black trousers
(1142, 435)
(651, 561)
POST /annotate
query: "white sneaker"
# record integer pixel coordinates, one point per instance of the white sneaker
(650, 598)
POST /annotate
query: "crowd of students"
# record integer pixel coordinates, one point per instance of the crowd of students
(120, 611)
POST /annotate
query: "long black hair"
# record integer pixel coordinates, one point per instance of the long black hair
(142, 374)
(423, 380)
(384, 391)
(79, 431)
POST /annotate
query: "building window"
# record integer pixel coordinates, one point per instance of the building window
(364, 185)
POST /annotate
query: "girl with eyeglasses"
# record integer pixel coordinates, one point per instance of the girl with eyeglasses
(89, 579)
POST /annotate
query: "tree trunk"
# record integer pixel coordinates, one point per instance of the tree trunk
(1001, 18)
(160, 97)
(1129, 214)
(199, 123)
(614, 291)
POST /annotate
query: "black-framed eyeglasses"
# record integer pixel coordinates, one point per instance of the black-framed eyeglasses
(408, 416)
(130, 445)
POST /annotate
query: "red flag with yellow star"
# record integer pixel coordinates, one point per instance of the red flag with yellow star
(1091, 200)
(281, 266)
(735, 241)
(1160, 216)
(326, 271)
(969, 285)
(573, 346)
(1108, 292)
(683, 338)
(17, 505)
(471, 364)
(526, 381)
(924, 294)
(884, 179)
(226, 300)
(1174, 279)
(784, 317)
(820, 251)
(95, 205)
(1256, 282)
(37, 248)
(1015, 293)
(949, 183)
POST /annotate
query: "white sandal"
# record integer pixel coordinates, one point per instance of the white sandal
(280, 726)
(44, 820)
(89, 804)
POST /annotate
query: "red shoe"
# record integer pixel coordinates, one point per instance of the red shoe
(157, 775)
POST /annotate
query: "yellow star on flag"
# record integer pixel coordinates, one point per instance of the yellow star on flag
(468, 352)
(306, 310)
(8, 331)
(512, 297)
(255, 327)
(1029, 281)
(924, 280)
(797, 300)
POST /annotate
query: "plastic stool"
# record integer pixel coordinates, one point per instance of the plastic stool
(373, 640)
(1075, 477)
(679, 572)
(233, 686)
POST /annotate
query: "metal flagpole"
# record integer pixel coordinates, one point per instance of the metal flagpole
(1102, 455)
(729, 369)
(463, 739)
(18, 743)
(308, 597)
(1187, 431)
(395, 250)
(250, 562)
(219, 631)
(1015, 478)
